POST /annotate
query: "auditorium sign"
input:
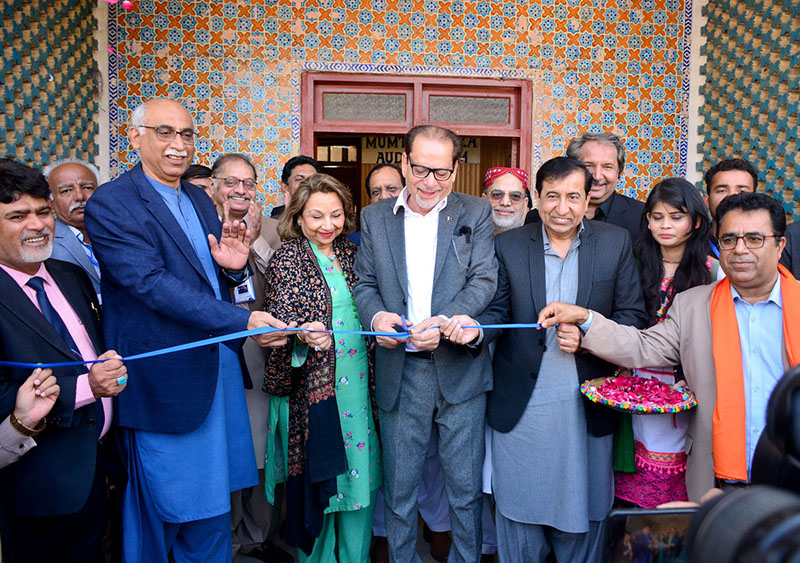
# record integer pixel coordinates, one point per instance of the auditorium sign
(389, 148)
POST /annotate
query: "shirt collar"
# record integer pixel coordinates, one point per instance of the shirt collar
(163, 189)
(774, 295)
(402, 201)
(22, 278)
(76, 232)
(575, 241)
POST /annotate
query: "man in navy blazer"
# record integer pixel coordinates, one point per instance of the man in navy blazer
(72, 182)
(427, 255)
(53, 500)
(165, 280)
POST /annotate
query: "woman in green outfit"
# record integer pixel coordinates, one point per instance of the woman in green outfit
(332, 451)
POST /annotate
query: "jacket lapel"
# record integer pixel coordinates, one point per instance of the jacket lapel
(537, 276)
(395, 240)
(159, 210)
(448, 218)
(18, 304)
(71, 244)
(586, 258)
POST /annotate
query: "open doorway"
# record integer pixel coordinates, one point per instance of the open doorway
(352, 122)
(350, 158)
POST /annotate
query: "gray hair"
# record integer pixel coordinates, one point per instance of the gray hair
(576, 144)
(92, 168)
(137, 117)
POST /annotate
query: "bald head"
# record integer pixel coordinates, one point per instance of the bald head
(71, 185)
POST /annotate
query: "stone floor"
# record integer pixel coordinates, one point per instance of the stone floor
(422, 548)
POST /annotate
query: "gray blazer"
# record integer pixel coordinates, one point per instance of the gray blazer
(683, 338)
(68, 248)
(464, 281)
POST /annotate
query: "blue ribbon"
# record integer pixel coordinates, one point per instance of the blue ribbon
(245, 334)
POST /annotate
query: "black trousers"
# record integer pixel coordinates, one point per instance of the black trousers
(72, 538)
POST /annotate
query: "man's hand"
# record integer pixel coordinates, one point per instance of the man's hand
(385, 322)
(562, 313)
(423, 339)
(270, 339)
(104, 377)
(568, 338)
(456, 329)
(317, 340)
(254, 215)
(36, 396)
(234, 246)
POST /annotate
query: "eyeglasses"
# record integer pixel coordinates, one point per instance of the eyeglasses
(440, 174)
(166, 133)
(515, 197)
(232, 182)
(729, 242)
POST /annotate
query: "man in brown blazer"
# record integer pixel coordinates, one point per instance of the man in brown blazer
(234, 190)
(751, 228)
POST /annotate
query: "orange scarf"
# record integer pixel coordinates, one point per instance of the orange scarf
(728, 426)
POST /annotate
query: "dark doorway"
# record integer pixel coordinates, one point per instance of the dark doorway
(341, 157)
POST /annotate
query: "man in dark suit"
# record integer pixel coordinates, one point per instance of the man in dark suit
(425, 256)
(604, 155)
(551, 451)
(791, 252)
(54, 498)
(72, 182)
(165, 280)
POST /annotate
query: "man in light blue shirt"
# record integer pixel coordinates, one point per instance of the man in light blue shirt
(750, 230)
(72, 182)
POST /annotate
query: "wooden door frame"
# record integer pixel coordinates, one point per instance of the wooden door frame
(417, 90)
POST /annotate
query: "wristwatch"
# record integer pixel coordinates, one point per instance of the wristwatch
(24, 430)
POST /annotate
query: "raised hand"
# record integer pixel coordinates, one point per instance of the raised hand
(234, 245)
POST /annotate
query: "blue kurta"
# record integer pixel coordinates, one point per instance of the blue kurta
(190, 476)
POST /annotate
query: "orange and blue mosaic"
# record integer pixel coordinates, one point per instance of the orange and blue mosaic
(615, 65)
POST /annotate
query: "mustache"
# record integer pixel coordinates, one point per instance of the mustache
(27, 235)
(173, 152)
(242, 196)
(77, 205)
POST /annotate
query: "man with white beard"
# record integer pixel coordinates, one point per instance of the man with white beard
(507, 192)
(53, 501)
(72, 182)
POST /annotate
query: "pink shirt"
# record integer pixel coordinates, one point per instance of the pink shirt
(83, 392)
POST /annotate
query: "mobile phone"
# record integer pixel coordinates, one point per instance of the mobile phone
(641, 535)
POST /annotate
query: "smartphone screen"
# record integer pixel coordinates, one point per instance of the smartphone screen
(646, 536)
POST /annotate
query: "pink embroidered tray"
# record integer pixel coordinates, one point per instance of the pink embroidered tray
(637, 395)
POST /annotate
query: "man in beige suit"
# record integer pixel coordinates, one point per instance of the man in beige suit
(751, 228)
(234, 191)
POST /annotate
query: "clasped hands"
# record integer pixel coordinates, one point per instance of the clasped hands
(422, 334)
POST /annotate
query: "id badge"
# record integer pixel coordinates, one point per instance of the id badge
(244, 292)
